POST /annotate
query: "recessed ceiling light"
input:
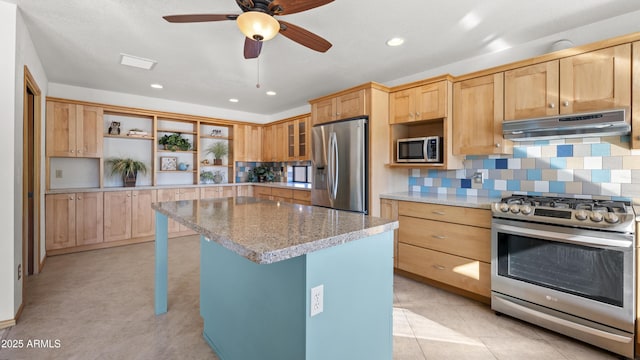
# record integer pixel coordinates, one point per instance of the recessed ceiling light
(233, 100)
(136, 61)
(396, 41)
(271, 93)
(157, 86)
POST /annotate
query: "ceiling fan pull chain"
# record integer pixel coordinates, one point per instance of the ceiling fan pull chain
(258, 80)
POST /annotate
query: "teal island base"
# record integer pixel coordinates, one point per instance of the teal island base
(262, 311)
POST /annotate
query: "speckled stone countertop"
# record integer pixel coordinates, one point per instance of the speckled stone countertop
(286, 185)
(443, 199)
(265, 231)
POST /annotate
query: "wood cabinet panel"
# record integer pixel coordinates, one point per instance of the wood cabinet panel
(283, 194)
(448, 213)
(532, 91)
(424, 102)
(247, 144)
(170, 195)
(467, 274)
(323, 111)
(89, 218)
(302, 196)
(462, 240)
(268, 141)
(262, 192)
(596, 80)
(478, 112)
(117, 215)
(244, 190)
(344, 106)
(389, 210)
(217, 192)
(143, 217)
(60, 221)
(402, 106)
(73, 130)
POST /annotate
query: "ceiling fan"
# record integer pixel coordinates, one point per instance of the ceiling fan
(258, 24)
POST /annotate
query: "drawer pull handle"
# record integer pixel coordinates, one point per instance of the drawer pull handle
(437, 212)
(438, 237)
(439, 267)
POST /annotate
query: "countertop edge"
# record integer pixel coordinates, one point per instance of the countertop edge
(478, 202)
(292, 186)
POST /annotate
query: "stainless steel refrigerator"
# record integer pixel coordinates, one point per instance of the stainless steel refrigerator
(340, 169)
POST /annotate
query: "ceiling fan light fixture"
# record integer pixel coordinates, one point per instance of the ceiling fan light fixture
(258, 26)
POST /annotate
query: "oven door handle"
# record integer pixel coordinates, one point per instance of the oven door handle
(568, 238)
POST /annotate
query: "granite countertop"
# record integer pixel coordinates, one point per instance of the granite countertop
(266, 231)
(287, 185)
(443, 199)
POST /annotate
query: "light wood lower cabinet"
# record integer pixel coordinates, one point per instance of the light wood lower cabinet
(389, 210)
(175, 194)
(217, 192)
(73, 219)
(302, 197)
(128, 214)
(449, 245)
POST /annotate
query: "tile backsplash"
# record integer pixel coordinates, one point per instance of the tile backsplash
(586, 166)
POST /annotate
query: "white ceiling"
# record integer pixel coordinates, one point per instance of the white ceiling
(80, 41)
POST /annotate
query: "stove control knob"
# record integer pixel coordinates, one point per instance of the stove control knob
(504, 207)
(596, 216)
(611, 218)
(515, 208)
(581, 215)
(526, 209)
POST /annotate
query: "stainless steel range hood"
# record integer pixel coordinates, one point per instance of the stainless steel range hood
(602, 123)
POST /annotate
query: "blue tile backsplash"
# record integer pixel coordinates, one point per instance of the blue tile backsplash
(589, 167)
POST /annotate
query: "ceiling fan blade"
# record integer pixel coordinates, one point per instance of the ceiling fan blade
(286, 7)
(304, 37)
(199, 18)
(251, 48)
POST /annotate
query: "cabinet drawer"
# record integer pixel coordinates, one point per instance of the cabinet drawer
(282, 193)
(452, 214)
(463, 240)
(457, 271)
(302, 195)
(209, 192)
(261, 190)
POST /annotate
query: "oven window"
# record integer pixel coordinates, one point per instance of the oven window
(589, 272)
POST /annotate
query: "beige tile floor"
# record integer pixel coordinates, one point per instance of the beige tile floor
(99, 305)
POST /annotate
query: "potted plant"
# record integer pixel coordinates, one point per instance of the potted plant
(128, 168)
(206, 177)
(261, 173)
(218, 149)
(175, 142)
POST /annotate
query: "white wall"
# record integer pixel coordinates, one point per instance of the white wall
(7, 143)
(18, 51)
(145, 102)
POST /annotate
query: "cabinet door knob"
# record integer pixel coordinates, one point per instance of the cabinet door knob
(70, 197)
(497, 145)
(439, 267)
(441, 237)
(79, 151)
(79, 197)
(128, 195)
(552, 105)
(437, 212)
(71, 151)
(565, 103)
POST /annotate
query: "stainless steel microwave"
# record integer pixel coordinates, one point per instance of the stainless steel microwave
(421, 149)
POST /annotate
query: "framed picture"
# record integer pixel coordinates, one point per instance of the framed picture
(168, 163)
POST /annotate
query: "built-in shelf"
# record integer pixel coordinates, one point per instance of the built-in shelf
(415, 165)
(176, 171)
(129, 137)
(177, 151)
(176, 131)
(222, 166)
(215, 137)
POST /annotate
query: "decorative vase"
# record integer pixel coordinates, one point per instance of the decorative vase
(218, 178)
(183, 167)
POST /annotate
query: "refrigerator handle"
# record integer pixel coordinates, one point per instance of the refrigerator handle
(336, 164)
(330, 165)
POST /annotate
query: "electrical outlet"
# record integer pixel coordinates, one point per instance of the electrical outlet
(477, 177)
(317, 300)
(58, 174)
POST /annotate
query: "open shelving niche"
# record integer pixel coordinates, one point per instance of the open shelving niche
(210, 134)
(122, 145)
(188, 130)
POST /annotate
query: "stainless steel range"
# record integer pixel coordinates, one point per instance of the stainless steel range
(567, 264)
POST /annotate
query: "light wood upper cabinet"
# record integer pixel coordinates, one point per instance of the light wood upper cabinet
(297, 132)
(596, 80)
(593, 81)
(74, 130)
(77, 220)
(278, 143)
(477, 116)
(420, 103)
(532, 91)
(344, 106)
(635, 106)
(247, 144)
(267, 143)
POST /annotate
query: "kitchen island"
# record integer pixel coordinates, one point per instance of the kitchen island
(260, 260)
